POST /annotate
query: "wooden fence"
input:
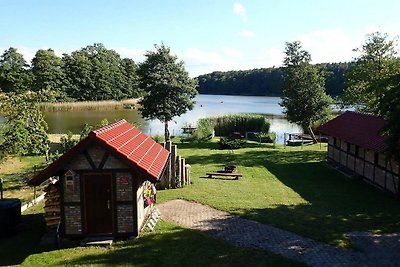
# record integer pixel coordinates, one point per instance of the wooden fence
(177, 173)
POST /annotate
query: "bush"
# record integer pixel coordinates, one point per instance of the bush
(226, 125)
(231, 143)
(67, 142)
(158, 138)
(205, 129)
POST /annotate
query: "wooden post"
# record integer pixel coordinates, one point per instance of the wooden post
(168, 145)
(187, 169)
(284, 140)
(183, 173)
(178, 171)
(173, 165)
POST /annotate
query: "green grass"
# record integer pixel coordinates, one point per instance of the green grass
(170, 245)
(290, 188)
(16, 171)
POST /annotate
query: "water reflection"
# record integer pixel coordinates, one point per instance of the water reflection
(206, 106)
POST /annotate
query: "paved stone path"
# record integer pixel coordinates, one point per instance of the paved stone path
(376, 250)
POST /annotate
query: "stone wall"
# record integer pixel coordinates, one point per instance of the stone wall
(125, 218)
(73, 222)
(124, 191)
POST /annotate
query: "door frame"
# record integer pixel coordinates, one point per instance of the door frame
(84, 213)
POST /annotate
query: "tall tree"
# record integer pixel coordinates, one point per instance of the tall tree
(169, 91)
(48, 72)
(303, 94)
(389, 108)
(97, 73)
(25, 127)
(14, 72)
(365, 83)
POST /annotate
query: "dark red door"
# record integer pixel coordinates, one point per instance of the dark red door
(98, 212)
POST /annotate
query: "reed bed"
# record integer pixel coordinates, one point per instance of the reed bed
(241, 123)
(91, 105)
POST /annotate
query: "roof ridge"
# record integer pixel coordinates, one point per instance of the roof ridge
(121, 134)
(109, 127)
(365, 113)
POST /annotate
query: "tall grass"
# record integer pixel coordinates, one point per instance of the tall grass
(90, 105)
(242, 123)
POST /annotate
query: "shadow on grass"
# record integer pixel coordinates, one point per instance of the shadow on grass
(16, 248)
(180, 247)
(336, 204)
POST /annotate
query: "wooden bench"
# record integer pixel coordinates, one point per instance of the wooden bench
(225, 174)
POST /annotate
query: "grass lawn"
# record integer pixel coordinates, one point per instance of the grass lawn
(170, 245)
(290, 188)
(16, 171)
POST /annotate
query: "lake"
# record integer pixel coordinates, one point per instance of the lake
(206, 106)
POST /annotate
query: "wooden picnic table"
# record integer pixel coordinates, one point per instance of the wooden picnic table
(225, 174)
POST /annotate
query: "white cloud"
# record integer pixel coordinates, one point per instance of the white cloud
(137, 54)
(199, 62)
(330, 45)
(231, 52)
(240, 10)
(247, 34)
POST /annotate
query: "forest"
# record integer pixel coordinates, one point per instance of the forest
(97, 73)
(267, 81)
(91, 73)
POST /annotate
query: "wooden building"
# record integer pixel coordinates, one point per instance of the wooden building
(354, 144)
(105, 182)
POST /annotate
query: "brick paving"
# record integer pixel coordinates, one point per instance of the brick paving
(375, 250)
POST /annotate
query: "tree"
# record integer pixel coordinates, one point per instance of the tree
(168, 88)
(14, 73)
(303, 94)
(25, 127)
(48, 72)
(365, 83)
(96, 73)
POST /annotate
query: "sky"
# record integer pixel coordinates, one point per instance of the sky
(208, 35)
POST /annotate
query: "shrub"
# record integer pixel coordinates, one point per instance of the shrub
(205, 129)
(231, 143)
(67, 142)
(242, 123)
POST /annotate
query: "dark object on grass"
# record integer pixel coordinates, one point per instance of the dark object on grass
(10, 215)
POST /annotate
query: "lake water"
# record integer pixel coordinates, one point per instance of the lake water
(206, 106)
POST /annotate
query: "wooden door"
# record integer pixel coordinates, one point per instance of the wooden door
(98, 209)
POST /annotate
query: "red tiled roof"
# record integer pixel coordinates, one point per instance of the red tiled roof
(139, 149)
(129, 143)
(357, 128)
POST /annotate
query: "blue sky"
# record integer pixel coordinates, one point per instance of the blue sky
(207, 35)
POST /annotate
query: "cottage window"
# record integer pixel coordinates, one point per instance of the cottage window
(352, 149)
(360, 152)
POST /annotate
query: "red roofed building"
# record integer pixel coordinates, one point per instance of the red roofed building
(104, 181)
(355, 144)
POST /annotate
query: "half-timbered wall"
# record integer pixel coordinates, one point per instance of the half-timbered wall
(366, 163)
(97, 159)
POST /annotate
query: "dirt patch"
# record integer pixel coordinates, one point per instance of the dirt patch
(55, 138)
(10, 164)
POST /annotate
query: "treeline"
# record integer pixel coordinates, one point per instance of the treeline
(266, 81)
(91, 73)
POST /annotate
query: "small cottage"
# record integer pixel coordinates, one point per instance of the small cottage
(355, 144)
(105, 182)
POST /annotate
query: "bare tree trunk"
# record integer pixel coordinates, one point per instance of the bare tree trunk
(166, 131)
(312, 134)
